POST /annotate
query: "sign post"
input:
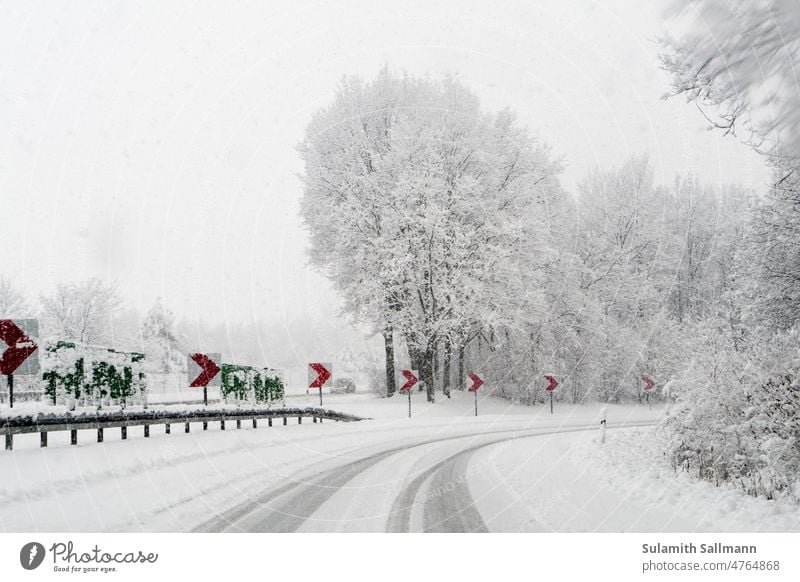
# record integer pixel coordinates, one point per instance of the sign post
(323, 374)
(205, 368)
(603, 417)
(477, 382)
(411, 380)
(551, 387)
(17, 334)
(648, 387)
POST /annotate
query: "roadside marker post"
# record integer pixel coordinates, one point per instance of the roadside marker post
(323, 373)
(412, 378)
(603, 416)
(205, 369)
(477, 382)
(648, 387)
(18, 336)
(551, 387)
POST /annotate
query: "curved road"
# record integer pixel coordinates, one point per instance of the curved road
(421, 486)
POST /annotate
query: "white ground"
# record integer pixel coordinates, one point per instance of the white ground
(512, 468)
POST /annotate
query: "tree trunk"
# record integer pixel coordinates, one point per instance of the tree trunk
(532, 389)
(446, 367)
(388, 342)
(426, 372)
(415, 357)
(435, 362)
(461, 349)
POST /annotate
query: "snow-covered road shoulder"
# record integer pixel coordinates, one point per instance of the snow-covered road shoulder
(573, 482)
(633, 461)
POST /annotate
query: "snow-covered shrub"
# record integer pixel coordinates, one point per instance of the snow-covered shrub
(774, 416)
(737, 411)
(91, 375)
(250, 384)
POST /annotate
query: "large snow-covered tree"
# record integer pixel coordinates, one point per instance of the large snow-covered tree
(421, 208)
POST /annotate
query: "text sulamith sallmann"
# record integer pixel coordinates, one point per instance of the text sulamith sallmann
(690, 548)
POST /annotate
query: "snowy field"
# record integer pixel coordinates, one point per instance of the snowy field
(512, 468)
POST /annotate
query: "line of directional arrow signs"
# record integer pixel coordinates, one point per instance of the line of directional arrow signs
(318, 376)
(20, 357)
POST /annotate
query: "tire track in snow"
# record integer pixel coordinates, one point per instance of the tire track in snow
(453, 510)
(400, 516)
(289, 505)
(451, 507)
(285, 508)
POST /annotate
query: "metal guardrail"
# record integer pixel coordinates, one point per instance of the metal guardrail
(46, 423)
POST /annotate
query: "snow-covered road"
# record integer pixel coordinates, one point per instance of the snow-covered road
(391, 473)
(402, 485)
(513, 468)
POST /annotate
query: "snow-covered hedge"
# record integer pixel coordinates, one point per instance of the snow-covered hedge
(737, 413)
(83, 375)
(250, 384)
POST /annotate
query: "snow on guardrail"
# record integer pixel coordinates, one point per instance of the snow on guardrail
(99, 420)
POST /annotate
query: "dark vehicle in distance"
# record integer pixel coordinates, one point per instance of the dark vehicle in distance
(343, 386)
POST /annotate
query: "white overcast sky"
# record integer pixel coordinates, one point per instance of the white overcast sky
(153, 144)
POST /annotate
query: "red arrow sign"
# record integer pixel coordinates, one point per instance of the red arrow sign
(552, 385)
(20, 346)
(210, 369)
(648, 383)
(323, 375)
(411, 380)
(477, 382)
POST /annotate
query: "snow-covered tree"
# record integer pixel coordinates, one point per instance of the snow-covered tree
(773, 261)
(625, 265)
(161, 342)
(737, 60)
(82, 311)
(12, 300)
(421, 207)
(738, 395)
